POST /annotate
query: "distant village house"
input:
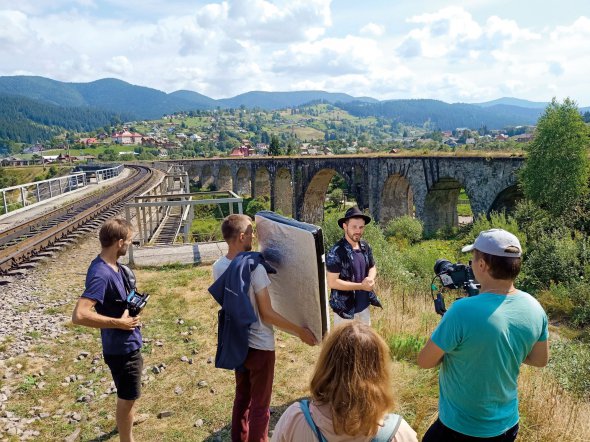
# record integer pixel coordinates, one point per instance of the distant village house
(126, 137)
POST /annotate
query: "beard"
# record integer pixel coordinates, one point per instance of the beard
(356, 237)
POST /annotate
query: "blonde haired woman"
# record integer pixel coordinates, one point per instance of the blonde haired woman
(351, 393)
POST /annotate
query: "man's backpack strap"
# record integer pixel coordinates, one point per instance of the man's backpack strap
(304, 404)
(390, 426)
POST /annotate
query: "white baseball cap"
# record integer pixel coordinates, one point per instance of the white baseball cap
(495, 242)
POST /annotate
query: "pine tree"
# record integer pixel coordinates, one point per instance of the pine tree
(275, 148)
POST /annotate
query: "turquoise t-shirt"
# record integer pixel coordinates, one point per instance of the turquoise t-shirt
(485, 339)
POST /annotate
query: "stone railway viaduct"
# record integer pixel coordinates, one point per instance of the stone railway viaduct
(387, 186)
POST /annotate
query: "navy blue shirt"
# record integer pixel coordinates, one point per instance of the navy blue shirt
(106, 287)
(340, 259)
(359, 272)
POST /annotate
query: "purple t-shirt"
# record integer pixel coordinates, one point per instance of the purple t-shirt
(106, 287)
(359, 271)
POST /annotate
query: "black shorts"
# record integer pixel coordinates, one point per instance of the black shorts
(126, 371)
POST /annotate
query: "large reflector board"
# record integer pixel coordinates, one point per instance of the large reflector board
(296, 250)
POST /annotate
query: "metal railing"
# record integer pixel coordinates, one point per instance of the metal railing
(105, 174)
(30, 194)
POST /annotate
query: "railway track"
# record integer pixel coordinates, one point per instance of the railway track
(23, 246)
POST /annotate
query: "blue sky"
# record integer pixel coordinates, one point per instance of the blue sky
(470, 51)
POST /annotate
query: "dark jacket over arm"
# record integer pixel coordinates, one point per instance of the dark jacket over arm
(231, 291)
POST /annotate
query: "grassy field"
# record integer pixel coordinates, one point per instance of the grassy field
(181, 321)
(308, 133)
(27, 174)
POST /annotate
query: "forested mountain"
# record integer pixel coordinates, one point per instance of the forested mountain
(26, 120)
(281, 100)
(444, 116)
(199, 101)
(112, 96)
(42, 89)
(515, 102)
(147, 103)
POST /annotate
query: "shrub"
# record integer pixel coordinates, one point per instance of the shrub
(406, 228)
(331, 230)
(580, 296)
(495, 221)
(554, 258)
(336, 197)
(570, 364)
(256, 205)
(533, 220)
(406, 347)
(420, 258)
(205, 230)
(557, 301)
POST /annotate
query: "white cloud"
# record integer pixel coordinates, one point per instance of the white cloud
(453, 32)
(225, 47)
(373, 29)
(119, 65)
(264, 21)
(330, 56)
(14, 28)
(212, 14)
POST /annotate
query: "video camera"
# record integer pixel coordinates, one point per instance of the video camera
(135, 301)
(452, 276)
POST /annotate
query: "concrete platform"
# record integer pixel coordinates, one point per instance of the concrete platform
(201, 253)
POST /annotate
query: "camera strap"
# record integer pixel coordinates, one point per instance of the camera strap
(128, 278)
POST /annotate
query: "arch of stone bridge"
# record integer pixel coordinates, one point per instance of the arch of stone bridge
(194, 173)
(357, 184)
(283, 192)
(397, 198)
(224, 178)
(261, 182)
(506, 200)
(207, 178)
(243, 181)
(440, 206)
(315, 196)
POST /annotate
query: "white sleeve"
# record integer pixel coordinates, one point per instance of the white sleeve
(259, 279)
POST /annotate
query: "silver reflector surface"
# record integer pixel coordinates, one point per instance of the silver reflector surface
(296, 250)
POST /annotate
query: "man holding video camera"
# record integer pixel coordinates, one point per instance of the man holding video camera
(104, 305)
(481, 342)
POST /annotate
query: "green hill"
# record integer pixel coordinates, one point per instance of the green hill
(281, 100)
(29, 121)
(444, 116)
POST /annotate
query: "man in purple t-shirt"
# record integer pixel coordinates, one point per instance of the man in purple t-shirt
(103, 305)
